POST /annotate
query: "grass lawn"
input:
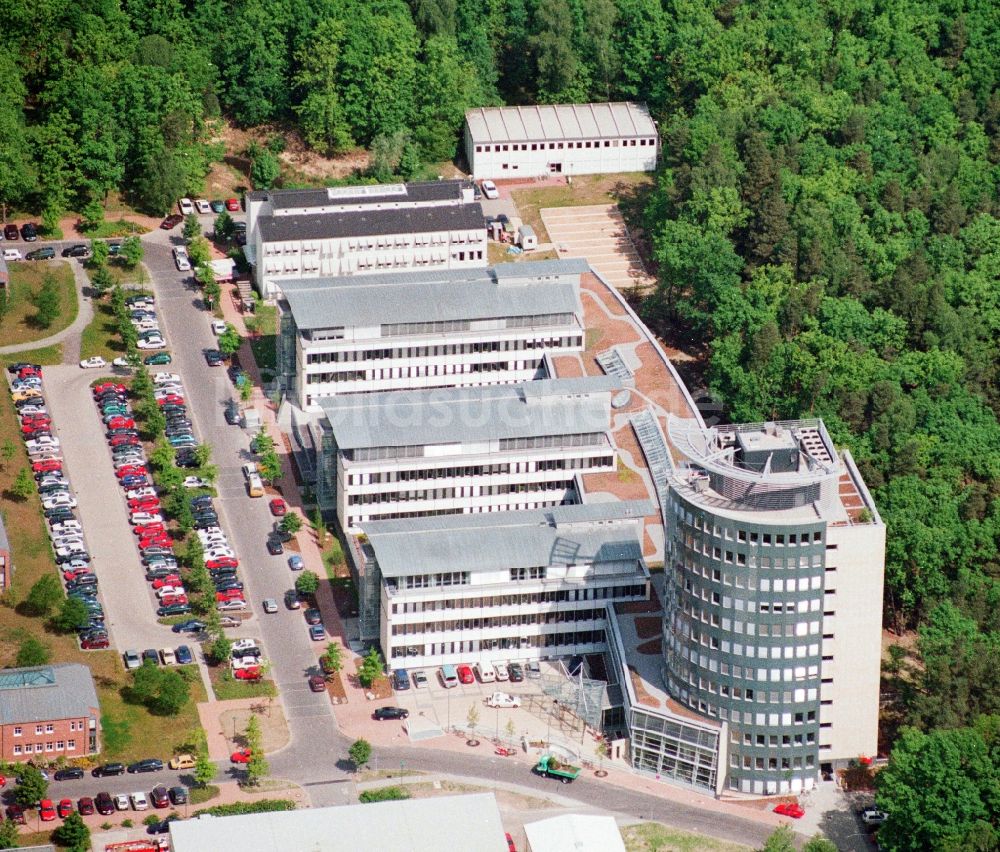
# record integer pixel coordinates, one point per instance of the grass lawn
(116, 228)
(200, 795)
(264, 347)
(656, 837)
(585, 189)
(227, 688)
(100, 337)
(26, 279)
(44, 356)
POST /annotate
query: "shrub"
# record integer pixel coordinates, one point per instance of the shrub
(384, 794)
(261, 806)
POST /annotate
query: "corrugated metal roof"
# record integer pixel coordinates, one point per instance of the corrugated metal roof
(409, 418)
(560, 121)
(71, 695)
(499, 541)
(372, 223)
(370, 300)
(468, 823)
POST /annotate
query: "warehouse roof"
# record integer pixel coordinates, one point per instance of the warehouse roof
(411, 193)
(566, 121)
(44, 693)
(372, 223)
(498, 541)
(433, 416)
(470, 823)
(575, 833)
(414, 297)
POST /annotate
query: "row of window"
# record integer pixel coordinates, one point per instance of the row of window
(353, 520)
(772, 763)
(559, 146)
(537, 618)
(588, 593)
(451, 493)
(695, 544)
(427, 581)
(472, 347)
(39, 748)
(712, 528)
(49, 728)
(697, 701)
(549, 641)
(736, 736)
(425, 371)
(389, 477)
(685, 643)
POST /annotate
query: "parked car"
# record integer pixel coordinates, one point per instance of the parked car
(790, 809)
(502, 699)
(10, 232)
(313, 616)
(278, 507)
(149, 764)
(139, 801)
(159, 797)
(490, 189)
(292, 599)
(171, 221)
(104, 803)
(420, 679)
(184, 655)
(400, 679)
(65, 808)
(29, 233)
(121, 802)
(317, 632)
(465, 674)
(46, 810)
(274, 546)
(15, 813)
(69, 774)
(873, 816)
(295, 562)
(233, 205)
(43, 253)
(78, 250)
(185, 206)
(241, 755)
(178, 795)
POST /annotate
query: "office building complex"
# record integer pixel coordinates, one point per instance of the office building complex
(506, 585)
(772, 628)
(410, 454)
(409, 330)
(569, 139)
(356, 230)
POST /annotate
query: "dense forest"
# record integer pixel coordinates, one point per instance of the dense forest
(826, 225)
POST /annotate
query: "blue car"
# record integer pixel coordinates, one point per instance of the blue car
(133, 481)
(317, 632)
(192, 625)
(184, 655)
(295, 563)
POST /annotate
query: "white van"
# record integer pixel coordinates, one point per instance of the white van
(485, 673)
(449, 677)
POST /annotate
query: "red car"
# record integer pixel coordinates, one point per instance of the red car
(46, 810)
(278, 507)
(30, 426)
(790, 809)
(121, 423)
(249, 673)
(47, 466)
(171, 399)
(147, 530)
(510, 843)
(172, 221)
(170, 600)
(162, 540)
(169, 580)
(95, 644)
(65, 808)
(144, 504)
(233, 205)
(76, 572)
(85, 806)
(131, 470)
(224, 562)
(465, 674)
(230, 595)
(24, 372)
(104, 386)
(241, 755)
(122, 440)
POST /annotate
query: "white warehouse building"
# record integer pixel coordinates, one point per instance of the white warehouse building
(505, 586)
(346, 335)
(567, 139)
(408, 454)
(358, 230)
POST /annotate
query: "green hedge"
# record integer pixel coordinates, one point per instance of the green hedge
(384, 794)
(259, 807)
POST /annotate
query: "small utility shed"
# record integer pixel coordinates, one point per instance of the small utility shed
(575, 833)
(569, 139)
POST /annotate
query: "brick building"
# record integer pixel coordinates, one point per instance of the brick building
(47, 712)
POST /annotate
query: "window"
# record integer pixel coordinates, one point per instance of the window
(17, 730)
(50, 728)
(38, 729)
(71, 745)
(17, 749)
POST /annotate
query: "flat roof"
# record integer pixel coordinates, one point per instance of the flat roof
(4, 541)
(419, 192)
(563, 121)
(498, 541)
(470, 823)
(372, 223)
(461, 415)
(431, 296)
(45, 693)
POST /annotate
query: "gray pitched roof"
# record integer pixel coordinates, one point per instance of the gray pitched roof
(498, 541)
(372, 223)
(420, 192)
(371, 300)
(44, 693)
(407, 418)
(563, 121)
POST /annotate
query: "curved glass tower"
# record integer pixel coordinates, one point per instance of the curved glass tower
(747, 514)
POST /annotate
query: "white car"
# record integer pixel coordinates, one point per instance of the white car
(121, 802)
(139, 801)
(136, 493)
(241, 645)
(12, 254)
(168, 656)
(164, 591)
(185, 206)
(46, 442)
(146, 325)
(202, 205)
(195, 482)
(490, 189)
(66, 526)
(501, 671)
(59, 501)
(218, 327)
(245, 662)
(181, 259)
(228, 606)
(32, 409)
(502, 699)
(67, 543)
(165, 378)
(142, 518)
(208, 532)
(69, 550)
(131, 460)
(220, 553)
(96, 361)
(121, 362)
(151, 343)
